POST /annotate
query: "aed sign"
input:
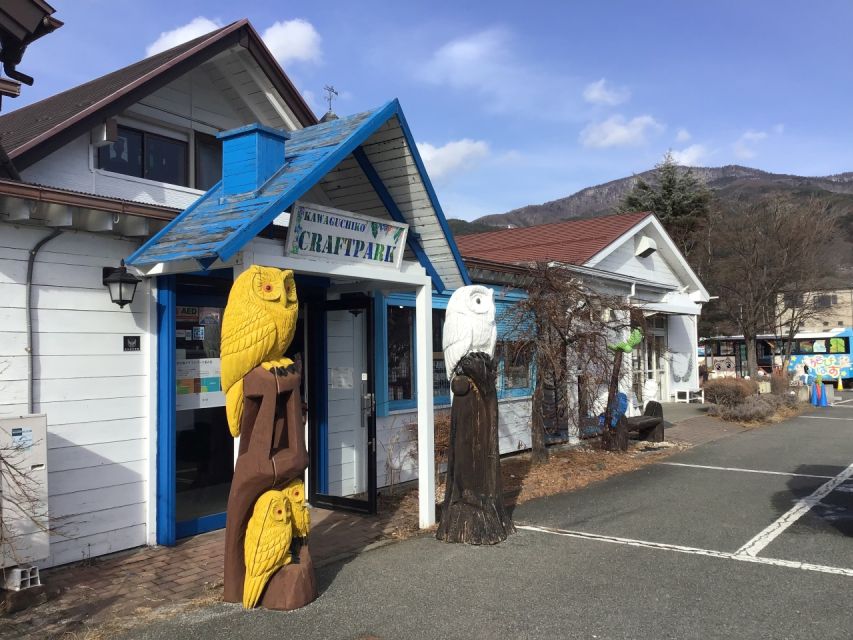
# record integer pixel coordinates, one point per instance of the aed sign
(340, 236)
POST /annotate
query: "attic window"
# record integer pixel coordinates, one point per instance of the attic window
(146, 155)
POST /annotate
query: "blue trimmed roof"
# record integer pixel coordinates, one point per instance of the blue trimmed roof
(217, 227)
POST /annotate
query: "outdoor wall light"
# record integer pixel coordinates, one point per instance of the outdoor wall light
(121, 284)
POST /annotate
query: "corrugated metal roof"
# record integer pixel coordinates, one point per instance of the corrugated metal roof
(217, 228)
(570, 241)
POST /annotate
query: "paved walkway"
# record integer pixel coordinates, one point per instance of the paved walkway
(747, 537)
(139, 581)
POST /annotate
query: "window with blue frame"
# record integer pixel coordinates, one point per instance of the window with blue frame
(515, 368)
(401, 358)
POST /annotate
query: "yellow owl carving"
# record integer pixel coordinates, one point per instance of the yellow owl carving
(267, 546)
(257, 327)
(295, 494)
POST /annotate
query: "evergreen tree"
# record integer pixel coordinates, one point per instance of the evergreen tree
(677, 196)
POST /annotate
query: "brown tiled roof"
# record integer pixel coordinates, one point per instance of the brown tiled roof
(571, 241)
(30, 126)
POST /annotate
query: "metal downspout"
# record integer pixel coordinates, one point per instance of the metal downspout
(29, 312)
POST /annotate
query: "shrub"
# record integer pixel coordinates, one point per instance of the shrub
(780, 384)
(753, 409)
(729, 391)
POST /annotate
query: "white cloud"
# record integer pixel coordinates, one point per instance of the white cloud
(458, 155)
(489, 65)
(683, 135)
(744, 147)
(616, 131)
(193, 29)
(691, 156)
(292, 40)
(600, 92)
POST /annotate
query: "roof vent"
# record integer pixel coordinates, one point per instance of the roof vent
(646, 246)
(329, 116)
(250, 156)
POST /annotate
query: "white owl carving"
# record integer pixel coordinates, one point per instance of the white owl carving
(469, 325)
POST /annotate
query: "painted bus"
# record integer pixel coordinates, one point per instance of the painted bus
(827, 353)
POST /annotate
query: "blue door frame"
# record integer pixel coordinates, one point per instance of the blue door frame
(168, 529)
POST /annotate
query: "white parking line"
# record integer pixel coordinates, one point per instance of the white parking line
(765, 537)
(773, 473)
(825, 418)
(710, 553)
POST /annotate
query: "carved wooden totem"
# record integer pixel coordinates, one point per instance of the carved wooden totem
(267, 561)
(473, 510)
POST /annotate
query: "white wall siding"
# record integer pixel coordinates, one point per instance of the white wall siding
(73, 167)
(94, 394)
(653, 268)
(396, 455)
(189, 103)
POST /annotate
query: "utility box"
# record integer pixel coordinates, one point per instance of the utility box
(23, 499)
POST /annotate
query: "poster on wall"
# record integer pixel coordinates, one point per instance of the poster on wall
(199, 384)
(340, 236)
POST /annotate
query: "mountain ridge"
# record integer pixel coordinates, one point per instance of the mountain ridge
(727, 181)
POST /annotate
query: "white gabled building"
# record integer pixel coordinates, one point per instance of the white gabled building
(630, 255)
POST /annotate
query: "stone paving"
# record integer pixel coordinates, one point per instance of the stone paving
(137, 582)
(131, 583)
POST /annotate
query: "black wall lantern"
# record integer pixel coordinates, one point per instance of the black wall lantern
(121, 284)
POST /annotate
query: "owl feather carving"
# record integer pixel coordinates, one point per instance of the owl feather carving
(257, 327)
(469, 325)
(267, 545)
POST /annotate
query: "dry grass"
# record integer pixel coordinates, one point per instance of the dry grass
(566, 470)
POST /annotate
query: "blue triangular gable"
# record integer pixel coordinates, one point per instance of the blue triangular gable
(215, 227)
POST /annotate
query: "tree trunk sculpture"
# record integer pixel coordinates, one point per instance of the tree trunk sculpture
(267, 561)
(473, 511)
(272, 453)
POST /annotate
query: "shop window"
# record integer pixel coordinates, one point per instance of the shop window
(515, 360)
(146, 155)
(440, 383)
(727, 348)
(400, 354)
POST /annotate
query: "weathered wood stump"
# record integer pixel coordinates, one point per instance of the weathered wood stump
(473, 511)
(272, 453)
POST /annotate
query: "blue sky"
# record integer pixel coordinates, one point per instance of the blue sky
(520, 103)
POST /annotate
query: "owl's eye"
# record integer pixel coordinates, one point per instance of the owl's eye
(267, 287)
(476, 301)
(278, 512)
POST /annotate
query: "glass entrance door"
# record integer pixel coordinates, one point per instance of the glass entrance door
(204, 448)
(343, 451)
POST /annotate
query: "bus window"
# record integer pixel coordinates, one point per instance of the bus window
(805, 346)
(727, 348)
(837, 345)
(819, 346)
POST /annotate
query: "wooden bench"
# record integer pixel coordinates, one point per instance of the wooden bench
(649, 426)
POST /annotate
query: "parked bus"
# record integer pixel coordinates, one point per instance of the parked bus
(827, 353)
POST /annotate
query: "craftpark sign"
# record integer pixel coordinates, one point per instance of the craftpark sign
(331, 234)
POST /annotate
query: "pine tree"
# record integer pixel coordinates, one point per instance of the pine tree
(679, 199)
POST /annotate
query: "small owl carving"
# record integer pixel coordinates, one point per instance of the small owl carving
(267, 545)
(469, 325)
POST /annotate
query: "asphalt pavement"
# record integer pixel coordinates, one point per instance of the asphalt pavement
(750, 536)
